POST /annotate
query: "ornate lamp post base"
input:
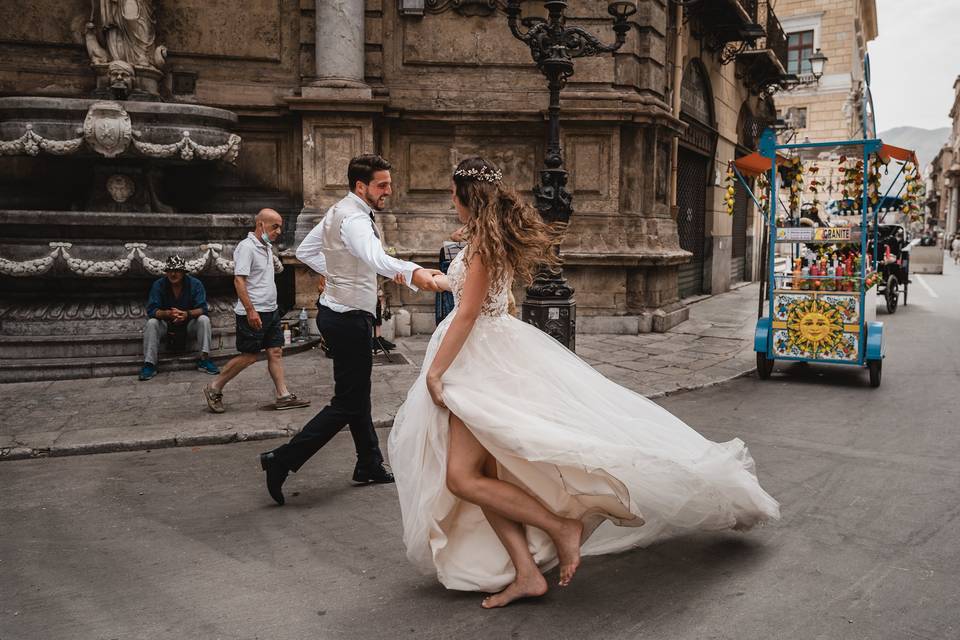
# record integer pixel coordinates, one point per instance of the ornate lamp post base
(554, 316)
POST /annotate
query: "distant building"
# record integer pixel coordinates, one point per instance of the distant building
(938, 188)
(949, 164)
(830, 109)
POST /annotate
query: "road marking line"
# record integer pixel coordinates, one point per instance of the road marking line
(923, 283)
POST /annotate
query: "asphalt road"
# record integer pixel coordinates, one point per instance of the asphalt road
(185, 543)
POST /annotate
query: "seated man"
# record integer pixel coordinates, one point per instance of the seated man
(178, 302)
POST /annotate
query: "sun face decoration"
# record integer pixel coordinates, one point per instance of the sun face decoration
(814, 326)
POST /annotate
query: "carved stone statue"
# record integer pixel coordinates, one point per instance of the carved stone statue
(121, 76)
(123, 31)
(128, 30)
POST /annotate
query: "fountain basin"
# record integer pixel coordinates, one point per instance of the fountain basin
(85, 127)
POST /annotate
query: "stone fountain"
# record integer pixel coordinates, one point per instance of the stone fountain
(95, 193)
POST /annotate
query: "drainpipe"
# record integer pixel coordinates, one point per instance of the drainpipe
(677, 80)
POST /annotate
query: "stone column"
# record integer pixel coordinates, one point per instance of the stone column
(339, 50)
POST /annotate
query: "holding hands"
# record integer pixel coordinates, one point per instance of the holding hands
(423, 279)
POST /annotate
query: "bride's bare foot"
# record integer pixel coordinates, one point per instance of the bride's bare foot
(568, 549)
(530, 586)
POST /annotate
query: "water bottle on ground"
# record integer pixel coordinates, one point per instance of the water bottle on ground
(303, 327)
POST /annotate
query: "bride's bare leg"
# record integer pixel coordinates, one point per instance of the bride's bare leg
(466, 480)
(529, 582)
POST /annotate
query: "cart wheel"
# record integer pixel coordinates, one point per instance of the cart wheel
(764, 365)
(876, 370)
(893, 294)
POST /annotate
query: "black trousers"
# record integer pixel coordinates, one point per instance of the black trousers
(347, 335)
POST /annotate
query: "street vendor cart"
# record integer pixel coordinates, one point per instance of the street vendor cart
(820, 308)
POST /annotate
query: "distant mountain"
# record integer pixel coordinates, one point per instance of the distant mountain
(926, 142)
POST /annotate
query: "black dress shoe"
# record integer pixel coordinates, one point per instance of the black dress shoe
(276, 474)
(378, 475)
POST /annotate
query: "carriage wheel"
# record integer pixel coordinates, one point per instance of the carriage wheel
(764, 365)
(892, 294)
(876, 371)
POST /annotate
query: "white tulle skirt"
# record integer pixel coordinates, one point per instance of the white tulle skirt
(585, 446)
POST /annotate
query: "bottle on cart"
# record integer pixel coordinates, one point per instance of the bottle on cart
(302, 325)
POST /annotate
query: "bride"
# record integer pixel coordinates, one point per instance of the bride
(512, 455)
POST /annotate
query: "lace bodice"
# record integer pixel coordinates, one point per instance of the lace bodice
(495, 303)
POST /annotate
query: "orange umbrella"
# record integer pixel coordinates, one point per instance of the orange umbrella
(754, 164)
(888, 151)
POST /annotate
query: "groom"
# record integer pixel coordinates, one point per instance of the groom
(346, 249)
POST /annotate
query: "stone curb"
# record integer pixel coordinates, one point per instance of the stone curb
(705, 385)
(195, 440)
(145, 444)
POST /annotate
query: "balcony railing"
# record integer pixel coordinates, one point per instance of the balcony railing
(718, 22)
(763, 66)
(750, 7)
(776, 39)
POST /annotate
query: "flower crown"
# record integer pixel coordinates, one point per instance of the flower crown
(481, 175)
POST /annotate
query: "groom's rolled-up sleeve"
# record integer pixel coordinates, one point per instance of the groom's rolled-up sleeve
(363, 243)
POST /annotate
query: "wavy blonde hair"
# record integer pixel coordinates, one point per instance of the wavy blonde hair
(507, 233)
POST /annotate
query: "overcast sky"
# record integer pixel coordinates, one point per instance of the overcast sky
(914, 62)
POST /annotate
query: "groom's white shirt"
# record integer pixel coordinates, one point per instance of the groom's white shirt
(357, 234)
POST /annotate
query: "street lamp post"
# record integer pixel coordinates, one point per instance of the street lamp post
(549, 304)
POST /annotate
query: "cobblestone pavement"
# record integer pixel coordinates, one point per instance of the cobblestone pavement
(70, 417)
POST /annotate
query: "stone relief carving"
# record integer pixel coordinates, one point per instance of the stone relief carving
(107, 129)
(31, 144)
(188, 149)
(120, 187)
(121, 76)
(210, 260)
(466, 7)
(111, 309)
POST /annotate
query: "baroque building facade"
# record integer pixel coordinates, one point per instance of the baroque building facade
(646, 131)
(947, 173)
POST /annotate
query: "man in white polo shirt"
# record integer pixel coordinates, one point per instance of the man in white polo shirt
(257, 315)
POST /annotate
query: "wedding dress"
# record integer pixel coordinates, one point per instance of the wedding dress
(586, 447)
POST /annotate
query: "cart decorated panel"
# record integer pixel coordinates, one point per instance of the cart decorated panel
(817, 325)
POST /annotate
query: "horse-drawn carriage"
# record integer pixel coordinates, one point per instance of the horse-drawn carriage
(893, 263)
